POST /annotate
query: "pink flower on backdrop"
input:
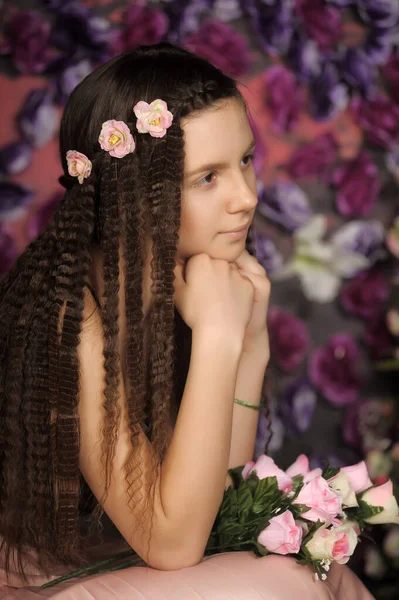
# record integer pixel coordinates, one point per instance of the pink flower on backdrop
(366, 295)
(358, 186)
(266, 467)
(320, 21)
(313, 159)
(358, 476)
(221, 45)
(332, 370)
(283, 97)
(379, 118)
(141, 25)
(391, 72)
(289, 339)
(323, 502)
(282, 535)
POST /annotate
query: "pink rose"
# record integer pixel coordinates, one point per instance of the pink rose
(154, 118)
(382, 495)
(282, 535)
(266, 467)
(115, 138)
(78, 165)
(323, 502)
(358, 476)
(335, 543)
(299, 467)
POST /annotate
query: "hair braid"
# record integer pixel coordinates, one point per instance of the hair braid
(74, 236)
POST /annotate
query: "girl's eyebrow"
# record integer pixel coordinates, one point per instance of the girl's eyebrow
(213, 166)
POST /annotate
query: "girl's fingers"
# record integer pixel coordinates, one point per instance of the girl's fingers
(249, 263)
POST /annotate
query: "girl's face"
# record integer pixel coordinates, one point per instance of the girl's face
(219, 189)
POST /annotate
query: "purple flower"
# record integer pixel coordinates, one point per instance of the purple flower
(275, 438)
(380, 341)
(332, 370)
(366, 295)
(379, 13)
(184, 17)
(303, 56)
(365, 423)
(8, 251)
(358, 186)
(358, 72)
(142, 25)
(320, 22)
(68, 74)
(267, 253)
(273, 22)
(15, 158)
(260, 148)
(380, 119)
(364, 237)
(42, 217)
(378, 45)
(327, 95)
(289, 339)
(38, 119)
(14, 198)
(76, 28)
(28, 38)
(313, 159)
(392, 161)
(284, 99)
(340, 3)
(391, 73)
(222, 46)
(296, 406)
(286, 204)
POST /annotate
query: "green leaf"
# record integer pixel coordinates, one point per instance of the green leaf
(329, 472)
(365, 510)
(245, 499)
(391, 364)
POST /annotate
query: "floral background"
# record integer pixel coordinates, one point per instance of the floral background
(321, 78)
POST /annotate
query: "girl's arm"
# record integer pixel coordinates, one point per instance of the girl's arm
(191, 479)
(249, 385)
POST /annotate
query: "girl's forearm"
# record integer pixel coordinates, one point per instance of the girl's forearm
(195, 466)
(250, 378)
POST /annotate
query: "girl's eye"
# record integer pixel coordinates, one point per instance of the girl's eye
(208, 179)
(204, 182)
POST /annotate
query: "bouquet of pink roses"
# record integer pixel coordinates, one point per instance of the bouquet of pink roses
(314, 515)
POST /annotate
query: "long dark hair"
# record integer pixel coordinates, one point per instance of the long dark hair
(118, 205)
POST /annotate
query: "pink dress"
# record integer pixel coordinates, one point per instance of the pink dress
(228, 576)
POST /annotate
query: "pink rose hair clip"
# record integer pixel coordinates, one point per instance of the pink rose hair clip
(78, 165)
(116, 138)
(154, 118)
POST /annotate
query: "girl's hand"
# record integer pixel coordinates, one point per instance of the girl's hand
(256, 331)
(213, 295)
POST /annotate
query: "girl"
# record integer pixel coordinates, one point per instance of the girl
(133, 330)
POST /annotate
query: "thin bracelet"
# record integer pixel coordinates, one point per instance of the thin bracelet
(254, 406)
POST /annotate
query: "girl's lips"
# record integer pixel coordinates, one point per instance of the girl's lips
(236, 234)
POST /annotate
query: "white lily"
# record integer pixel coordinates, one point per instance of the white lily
(320, 265)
